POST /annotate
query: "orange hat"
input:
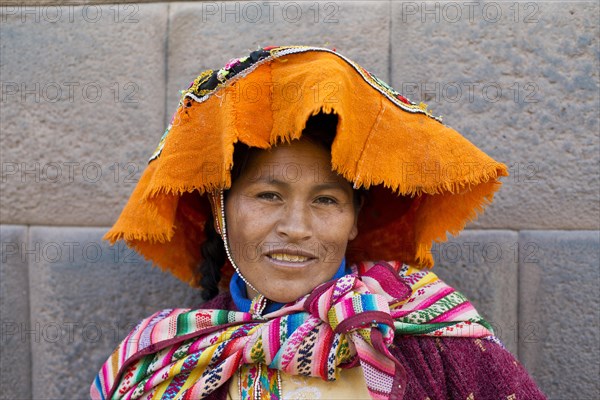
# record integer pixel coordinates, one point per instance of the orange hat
(424, 179)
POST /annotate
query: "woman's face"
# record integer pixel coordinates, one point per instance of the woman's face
(289, 220)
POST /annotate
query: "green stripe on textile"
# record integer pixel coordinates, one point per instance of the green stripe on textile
(404, 328)
(436, 309)
(222, 317)
(486, 324)
(183, 324)
(142, 368)
(283, 330)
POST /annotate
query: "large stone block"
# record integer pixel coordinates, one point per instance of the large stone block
(15, 352)
(206, 35)
(519, 80)
(85, 297)
(82, 104)
(483, 266)
(559, 277)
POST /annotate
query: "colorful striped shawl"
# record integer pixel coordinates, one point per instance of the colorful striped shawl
(187, 354)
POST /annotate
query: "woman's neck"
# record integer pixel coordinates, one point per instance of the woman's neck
(242, 295)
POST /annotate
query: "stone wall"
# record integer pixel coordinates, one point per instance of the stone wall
(87, 91)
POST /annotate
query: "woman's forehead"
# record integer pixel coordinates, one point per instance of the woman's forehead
(299, 161)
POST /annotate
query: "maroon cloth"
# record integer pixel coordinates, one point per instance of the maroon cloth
(444, 368)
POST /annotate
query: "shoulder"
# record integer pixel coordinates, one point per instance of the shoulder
(408, 273)
(447, 349)
(462, 368)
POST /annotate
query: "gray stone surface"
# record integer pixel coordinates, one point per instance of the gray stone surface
(483, 266)
(85, 297)
(89, 3)
(558, 311)
(15, 351)
(523, 86)
(81, 95)
(206, 35)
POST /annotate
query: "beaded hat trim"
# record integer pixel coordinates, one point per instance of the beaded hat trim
(210, 81)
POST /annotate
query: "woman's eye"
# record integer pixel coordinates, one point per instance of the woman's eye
(268, 196)
(326, 200)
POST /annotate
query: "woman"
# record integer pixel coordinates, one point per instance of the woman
(281, 173)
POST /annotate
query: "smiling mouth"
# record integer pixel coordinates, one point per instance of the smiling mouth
(288, 257)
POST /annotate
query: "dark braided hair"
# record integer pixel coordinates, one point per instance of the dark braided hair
(214, 256)
(320, 128)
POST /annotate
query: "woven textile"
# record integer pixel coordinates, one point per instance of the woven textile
(187, 354)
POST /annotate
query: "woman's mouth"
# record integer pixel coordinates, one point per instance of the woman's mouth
(288, 257)
(290, 260)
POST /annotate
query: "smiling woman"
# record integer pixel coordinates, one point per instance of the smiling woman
(282, 201)
(298, 219)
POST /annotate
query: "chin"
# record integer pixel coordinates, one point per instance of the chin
(285, 299)
(287, 296)
(289, 289)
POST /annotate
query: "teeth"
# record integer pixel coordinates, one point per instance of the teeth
(288, 257)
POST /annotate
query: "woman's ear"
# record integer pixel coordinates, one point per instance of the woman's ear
(353, 232)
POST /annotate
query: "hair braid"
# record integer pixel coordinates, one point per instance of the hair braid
(213, 253)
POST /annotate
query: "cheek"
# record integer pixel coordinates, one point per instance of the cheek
(336, 224)
(335, 232)
(246, 222)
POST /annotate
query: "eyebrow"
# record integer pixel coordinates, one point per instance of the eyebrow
(278, 182)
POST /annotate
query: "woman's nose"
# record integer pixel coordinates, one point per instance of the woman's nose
(295, 223)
